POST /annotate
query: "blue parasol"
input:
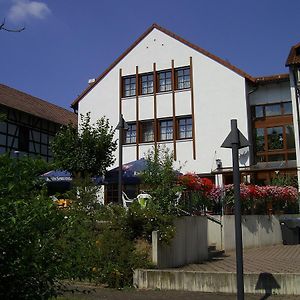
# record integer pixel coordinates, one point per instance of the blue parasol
(57, 176)
(131, 172)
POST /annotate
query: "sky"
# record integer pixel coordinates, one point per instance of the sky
(67, 42)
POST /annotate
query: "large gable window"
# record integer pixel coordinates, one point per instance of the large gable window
(129, 86)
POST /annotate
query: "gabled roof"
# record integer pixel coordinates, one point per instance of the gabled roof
(294, 56)
(173, 35)
(21, 101)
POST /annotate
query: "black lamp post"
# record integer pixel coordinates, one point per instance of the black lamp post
(121, 127)
(235, 140)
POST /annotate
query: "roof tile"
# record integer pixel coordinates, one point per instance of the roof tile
(21, 101)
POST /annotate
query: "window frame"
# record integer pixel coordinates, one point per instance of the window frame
(267, 152)
(264, 106)
(130, 125)
(142, 126)
(148, 83)
(160, 121)
(132, 82)
(158, 80)
(176, 83)
(178, 126)
(265, 123)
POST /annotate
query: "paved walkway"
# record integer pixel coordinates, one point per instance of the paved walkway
(107, 294)
(272, 259)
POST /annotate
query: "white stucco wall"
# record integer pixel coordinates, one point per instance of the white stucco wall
(219, 95)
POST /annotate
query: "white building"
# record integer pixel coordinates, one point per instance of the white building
(175, 93)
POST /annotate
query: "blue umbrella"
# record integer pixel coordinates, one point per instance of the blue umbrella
(130, 170)
(57, 176)
(57, 181)
(64, 176)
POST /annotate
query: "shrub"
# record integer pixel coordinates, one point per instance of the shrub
(161, 179)
(30, 226)
(254, 198)
(196, 196)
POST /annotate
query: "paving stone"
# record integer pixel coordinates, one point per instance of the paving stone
(272, 259)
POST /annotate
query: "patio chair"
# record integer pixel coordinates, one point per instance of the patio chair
(126, 200)
(143, 199)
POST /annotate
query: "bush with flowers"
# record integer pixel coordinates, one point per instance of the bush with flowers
(258, 199)
(200, 195)
(196, 192)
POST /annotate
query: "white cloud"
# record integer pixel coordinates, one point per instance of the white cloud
(21, 10)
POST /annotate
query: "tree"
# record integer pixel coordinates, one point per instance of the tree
(30, 226)
(87, 151)
(161, 179)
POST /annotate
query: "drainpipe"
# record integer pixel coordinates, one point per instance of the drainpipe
(293, 70)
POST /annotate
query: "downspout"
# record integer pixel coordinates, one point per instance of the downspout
(297, 95)
(249, 123)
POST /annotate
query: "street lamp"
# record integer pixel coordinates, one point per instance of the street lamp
(235, 140)
(122, 125)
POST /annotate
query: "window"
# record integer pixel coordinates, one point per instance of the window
(146, 84)
(287, 108)
(275, 138)
(166, 130)
(260, 139)
(129, 86)
(112, 193)
(164, 81)
(272, 110)
(290, 137)
(274, 133)
(23, 139)
(185, 128)
(147, 131)
(130, 134)
(275, 143)
(182, 78)
(259, 111)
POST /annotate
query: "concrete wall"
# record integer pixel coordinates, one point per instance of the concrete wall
(258, 231)
(215, 233)
(282, 284)
(188, 246)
